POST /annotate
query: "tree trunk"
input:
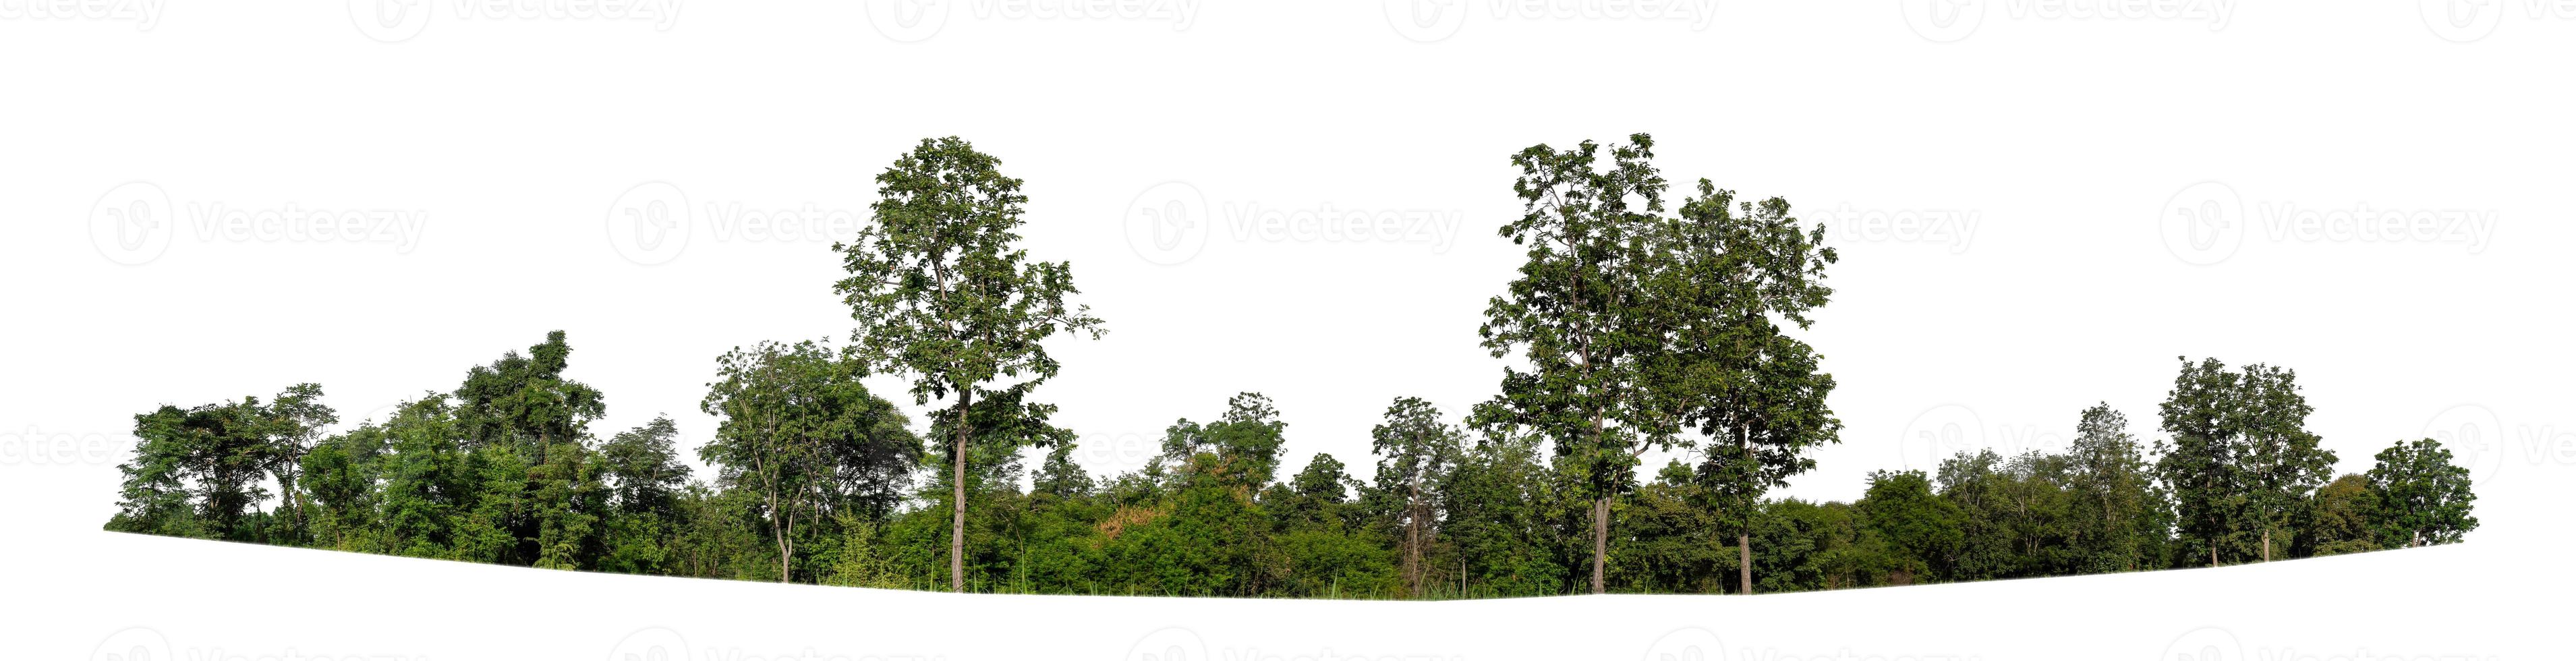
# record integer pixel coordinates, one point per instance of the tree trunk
(2267, 543)
(780, 522)
(957, 495)
(1600, 542)
(1744, 561)
(1413, 516)
(1744, 537)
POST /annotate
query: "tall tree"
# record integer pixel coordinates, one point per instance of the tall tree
(791, 415)
(2241, 456)
(2422, 497)
(2121, 511)
(1416, 451)
(1729, 275)
(297, 419)
(2202, 462)
(2283, 463)
(942, 292)
(1577, 317)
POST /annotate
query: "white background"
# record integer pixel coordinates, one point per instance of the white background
(2038, 207)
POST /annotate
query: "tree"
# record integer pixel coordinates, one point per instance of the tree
(2422, 497)
(297, 419)
(2241, 455)
(644, 477)
(2203, 462)
(942, 292)
(791, 416)
(1730, 274)
(1917, 524)
(1416, 451)
(213, 456)
(525, 402)
(2283, 462)
(340, 475)
(1501, 502)
(2339, 519)
(1239, 452)
(2121, 514)
(1576, 314)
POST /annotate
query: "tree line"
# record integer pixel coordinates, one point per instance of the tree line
(1633, 329)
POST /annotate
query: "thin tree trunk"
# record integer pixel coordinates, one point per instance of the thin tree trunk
(1744, 537)
(780, 522)
(1600, 542)
(1744, 562)
(2267, 543)
(957, 495)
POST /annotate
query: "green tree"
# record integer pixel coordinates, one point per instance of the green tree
(297, 419)
(2422, 497)
(2339, 520)
(1732, 273)
(1577, 317)
(644, 476)
(1920, 527)
(2283, 463)
(1416, 451)
(942, 292)
(2241, 456)
(2203, 462)
(792, 417)
(2120, 512)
